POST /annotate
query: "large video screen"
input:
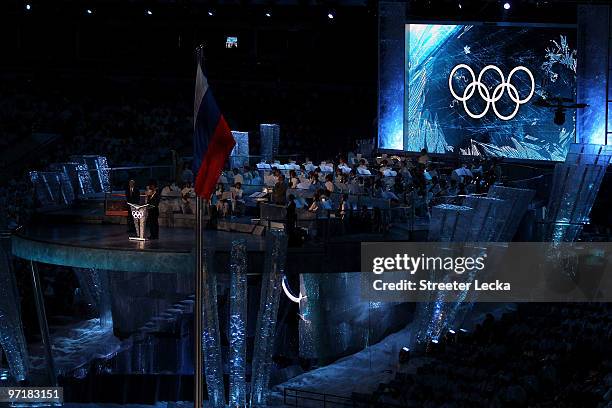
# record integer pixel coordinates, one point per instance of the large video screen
(491, 90)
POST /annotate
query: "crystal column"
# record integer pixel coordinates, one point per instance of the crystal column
(12, 340)
(270, 137)
(95, 285)
(211, 344)
(237, 326)
(276, 253)
(240, 154)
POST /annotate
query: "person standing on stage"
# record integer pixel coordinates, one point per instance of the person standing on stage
(153, 211)
(279, 193)
(132, 196)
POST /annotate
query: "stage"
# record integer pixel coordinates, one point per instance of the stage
(107, 247)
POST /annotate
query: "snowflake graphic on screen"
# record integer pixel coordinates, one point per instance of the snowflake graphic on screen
(559, 53)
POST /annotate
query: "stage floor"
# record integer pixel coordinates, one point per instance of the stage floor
(108, 247)
(116, 237)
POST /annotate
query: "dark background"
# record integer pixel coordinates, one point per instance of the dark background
(62, 70)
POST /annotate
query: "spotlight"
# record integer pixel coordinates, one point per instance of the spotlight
(28, 6)
(506, 6)
(559, 117)
(451, 336)
(211, 13)
(404, 355)
(148, 12)
(268, 14)
(460, 7)
(89, 11)
(331, 15)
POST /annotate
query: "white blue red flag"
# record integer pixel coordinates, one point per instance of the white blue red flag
(212, 138)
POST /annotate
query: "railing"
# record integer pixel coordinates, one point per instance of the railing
(300, 398)
(119, 176)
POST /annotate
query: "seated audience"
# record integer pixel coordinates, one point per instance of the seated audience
(329, 183)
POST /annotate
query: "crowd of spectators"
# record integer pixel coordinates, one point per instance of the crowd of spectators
(16, 203)
(137, 131)
(126, 130)
(544, 355)
(141, 123)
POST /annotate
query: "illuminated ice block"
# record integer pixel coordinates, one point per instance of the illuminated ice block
(96, 288)
(52, 188)
(391, 75)
(270, 138)
(12, 339)
(276, 252)
(519, 199)
(309, 315)
(450, 223)
(575, 186)
(238, 324)
(240, 154)
(211, 343)
(98, 170)
(480, 219)
(336, 321)
(490, 216)
(71, 169)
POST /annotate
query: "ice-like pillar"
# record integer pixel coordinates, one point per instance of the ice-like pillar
(490, 215)
(309, 315)
(211, 343)
(519, 199)
(95, 285)
(270, 139)
(575, 186)
(99, 174)
(391, 55)
(237, 324)
(591, 72)
(450, 223)
(12, 339)
(276, 253)
(240, 154)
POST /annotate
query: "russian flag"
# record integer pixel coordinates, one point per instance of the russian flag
(212, 138)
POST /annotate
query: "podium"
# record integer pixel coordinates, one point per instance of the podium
(139, 212)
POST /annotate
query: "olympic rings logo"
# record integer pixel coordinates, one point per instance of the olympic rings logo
(484, 93)
(137, 214)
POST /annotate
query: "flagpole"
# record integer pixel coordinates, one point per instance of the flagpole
(198, 397)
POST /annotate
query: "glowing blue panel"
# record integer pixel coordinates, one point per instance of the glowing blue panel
(591, 81)
(392, 17)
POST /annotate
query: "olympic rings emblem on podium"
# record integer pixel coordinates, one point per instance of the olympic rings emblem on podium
(484, 93)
